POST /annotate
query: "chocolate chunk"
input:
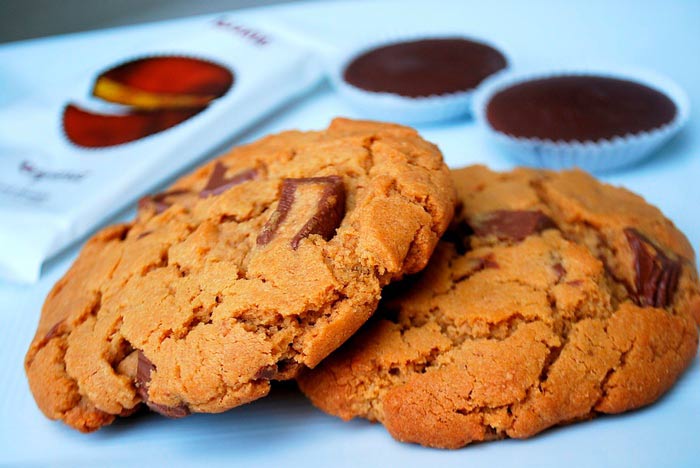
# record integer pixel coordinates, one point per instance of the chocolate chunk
(560, 271)
(578, 108)
(174, 412)
(54, 331)
(218, 183)
(164, 82)
(96, 130)
(278, 370)
(656, 274)
(287, 366)
(488, 262)
(424, 67)
(143, 378)
(329, 210)
(458, 234)
(126, 412)
(513, 225)
(266, 372)
(159, 202)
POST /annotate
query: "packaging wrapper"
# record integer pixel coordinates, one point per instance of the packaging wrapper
(58, 178)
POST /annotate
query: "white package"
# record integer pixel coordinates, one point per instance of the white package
(53, 192)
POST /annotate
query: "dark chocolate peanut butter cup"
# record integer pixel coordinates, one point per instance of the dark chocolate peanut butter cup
(418, 78)
(594, 119)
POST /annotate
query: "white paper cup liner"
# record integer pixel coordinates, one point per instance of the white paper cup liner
(394, 107)
(594, 156)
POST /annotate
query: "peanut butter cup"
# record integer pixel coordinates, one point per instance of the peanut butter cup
(578, 108)
(595, 119)
(426, 67)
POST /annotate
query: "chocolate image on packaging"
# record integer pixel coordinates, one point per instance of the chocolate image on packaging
(578, 108)
(161, 92)
(325, 199)
(164, 82)
(94, 130)
(426, 67)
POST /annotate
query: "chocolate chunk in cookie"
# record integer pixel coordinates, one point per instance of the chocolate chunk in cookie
(656, 275)
(307, 206)
(218, 183)
(514, 225)
(143, 378)
(56, 330)
(160, 201)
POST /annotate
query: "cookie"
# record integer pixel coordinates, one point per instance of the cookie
(552, 298)
(253, 267)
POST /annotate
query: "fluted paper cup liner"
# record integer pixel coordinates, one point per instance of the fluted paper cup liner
(594, 156)
(394, 107)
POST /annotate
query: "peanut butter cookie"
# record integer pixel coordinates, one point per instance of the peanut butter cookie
(552, 298)
(253, 267)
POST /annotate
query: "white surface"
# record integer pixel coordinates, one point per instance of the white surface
(284, 430)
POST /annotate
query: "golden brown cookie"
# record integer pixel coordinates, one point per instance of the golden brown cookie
(552, 298)
(254, 266)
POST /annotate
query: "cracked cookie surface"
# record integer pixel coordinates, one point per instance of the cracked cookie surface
(551, 298)
(251, 268)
